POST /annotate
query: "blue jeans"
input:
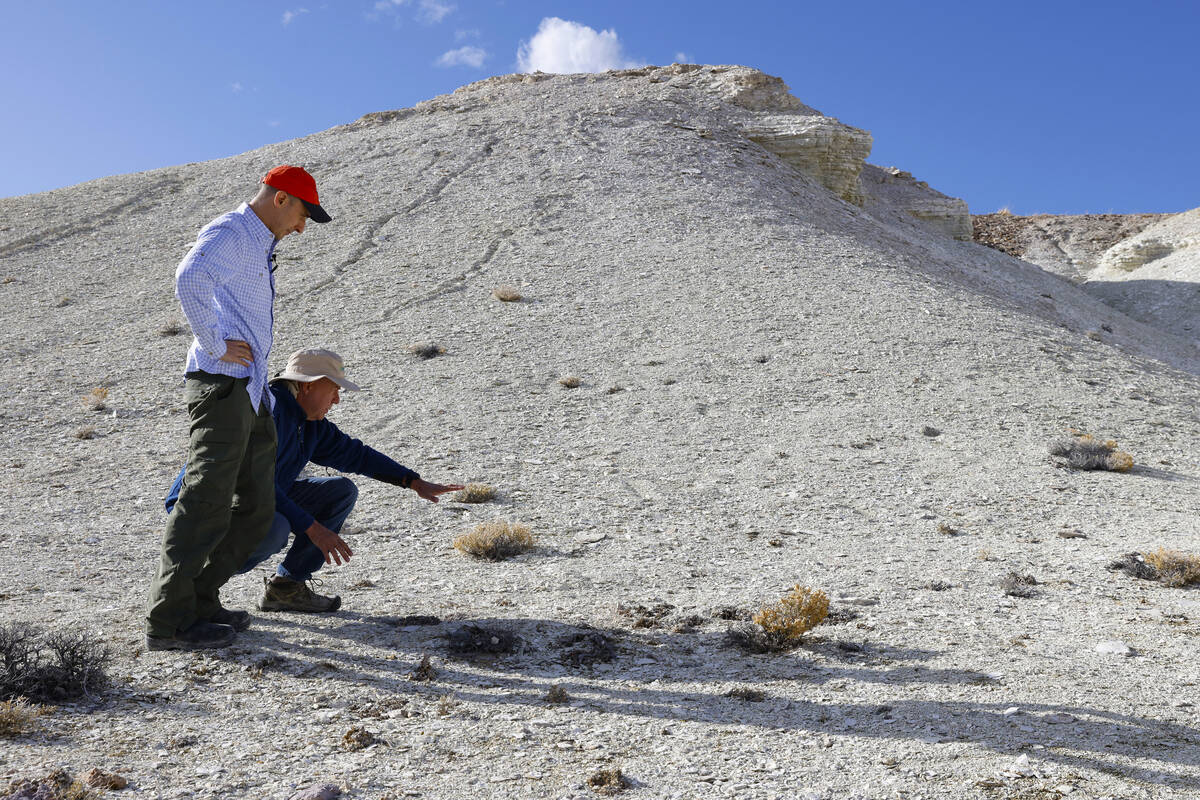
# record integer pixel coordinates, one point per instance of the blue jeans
(330, 500)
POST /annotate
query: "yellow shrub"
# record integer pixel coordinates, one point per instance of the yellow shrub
(1174, 568)
(796, 613)
(1120, 461)
(476, 493)
(495, 540)
(17, 717)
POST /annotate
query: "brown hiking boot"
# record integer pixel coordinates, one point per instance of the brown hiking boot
(197, 636)
(283, 594)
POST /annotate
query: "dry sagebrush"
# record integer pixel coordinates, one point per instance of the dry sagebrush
(97, 399)
(780, 626)
(475, 493)
(50, 666)
(1087, 452)
(1175, 568)
(18, 717)
(495, 540)
(796, 613)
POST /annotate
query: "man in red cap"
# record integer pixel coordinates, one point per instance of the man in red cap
(226, 287)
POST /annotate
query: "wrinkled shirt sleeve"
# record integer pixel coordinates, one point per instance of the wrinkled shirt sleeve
(203, 270)
(339, 451)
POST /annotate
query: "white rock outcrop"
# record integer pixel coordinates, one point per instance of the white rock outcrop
(900, 189)
(1171, 246)
(819, 146)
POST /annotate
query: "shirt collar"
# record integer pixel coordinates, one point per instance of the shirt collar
(256, 227)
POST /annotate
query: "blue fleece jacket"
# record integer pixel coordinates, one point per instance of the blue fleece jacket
(302, 440)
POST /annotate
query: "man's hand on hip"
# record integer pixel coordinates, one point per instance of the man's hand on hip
(334, 547)
(237, 352)
(430, 491)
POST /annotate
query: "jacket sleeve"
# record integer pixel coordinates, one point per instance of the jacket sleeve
(206, 267)
(297, 517)
(339, 451)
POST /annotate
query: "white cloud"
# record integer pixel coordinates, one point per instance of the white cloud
(432, 12)
(562, 46)
(236, 86)
(460, 34)
(683, 58)
(288, 16)
(468, 56)
(429, 12)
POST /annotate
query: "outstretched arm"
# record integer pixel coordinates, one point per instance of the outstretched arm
(430, 491)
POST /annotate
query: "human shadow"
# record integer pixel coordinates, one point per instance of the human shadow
(679, 676)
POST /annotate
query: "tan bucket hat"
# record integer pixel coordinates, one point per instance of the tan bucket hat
(313, 364)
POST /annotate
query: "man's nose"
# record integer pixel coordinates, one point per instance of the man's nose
(303, 222)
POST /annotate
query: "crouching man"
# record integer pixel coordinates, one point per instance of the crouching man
(309, 510)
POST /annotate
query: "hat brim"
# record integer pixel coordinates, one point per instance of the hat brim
(315, 212)
(349, 386)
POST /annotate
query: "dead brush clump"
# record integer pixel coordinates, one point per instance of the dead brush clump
(1083, 451)
(358, 739)
(50, 666)
(18, 717)
(96, 400)
(608, 781)
(426, 350)
(645, 616)
(1015, 584)
(557, 695)
(423, 672)
(506, 294)
(170, 328)
(1173, 568)
(475, 493)
(495, 540)
(780, 627)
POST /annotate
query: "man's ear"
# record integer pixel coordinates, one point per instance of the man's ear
(280, 199)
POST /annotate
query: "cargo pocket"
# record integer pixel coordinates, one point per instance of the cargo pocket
(201, 393)
(217, 444)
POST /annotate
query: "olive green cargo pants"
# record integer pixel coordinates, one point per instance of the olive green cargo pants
(225, 506)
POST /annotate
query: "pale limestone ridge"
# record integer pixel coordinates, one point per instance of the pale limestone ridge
(822, 147)
(1173, 243)
(1154, 276)
(1145, 265)
(900, 189)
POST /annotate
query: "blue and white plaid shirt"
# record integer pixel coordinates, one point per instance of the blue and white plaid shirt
(227, 291)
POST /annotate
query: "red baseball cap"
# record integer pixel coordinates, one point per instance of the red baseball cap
(299, 184)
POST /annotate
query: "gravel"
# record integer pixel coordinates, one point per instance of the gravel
(782, 359)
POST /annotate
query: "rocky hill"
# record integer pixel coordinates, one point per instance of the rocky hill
(793, 367)
(1146, 265)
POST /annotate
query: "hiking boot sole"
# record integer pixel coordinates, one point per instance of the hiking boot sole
(283, 605)
(175, 643)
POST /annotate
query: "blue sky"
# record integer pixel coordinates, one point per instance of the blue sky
(1054, 107)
